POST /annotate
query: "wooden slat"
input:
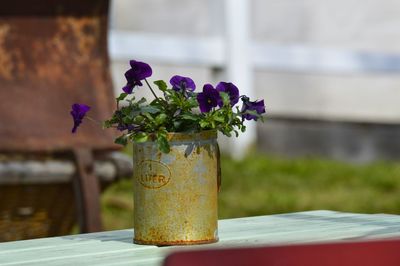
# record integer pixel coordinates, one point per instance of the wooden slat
(211, 52)
(116, 248)
(13, 171)
(205, 51)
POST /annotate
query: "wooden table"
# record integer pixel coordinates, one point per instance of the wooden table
(116, 248)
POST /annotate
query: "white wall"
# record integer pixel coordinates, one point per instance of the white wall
(333, 25)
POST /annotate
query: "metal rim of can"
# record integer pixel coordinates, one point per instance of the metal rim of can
(187, 136)
(175, 243)
(182, 136)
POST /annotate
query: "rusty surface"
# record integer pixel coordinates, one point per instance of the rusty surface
(53, 54)
(175, 194)
(176, 243)
(204, 135)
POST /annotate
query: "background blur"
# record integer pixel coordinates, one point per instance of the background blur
(324, 61)
(329, 74)
(328, 71)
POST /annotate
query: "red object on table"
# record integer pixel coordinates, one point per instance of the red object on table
(366, 253)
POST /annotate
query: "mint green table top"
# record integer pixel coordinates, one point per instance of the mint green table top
(116, 248)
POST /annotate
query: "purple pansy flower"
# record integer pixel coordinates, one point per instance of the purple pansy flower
(182, 84)
(78, 113)
(232, 91)
(208, 99)
(257, 106)
(122, 127)
(134, 76)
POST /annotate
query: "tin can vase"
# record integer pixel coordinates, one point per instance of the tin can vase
(175, 193)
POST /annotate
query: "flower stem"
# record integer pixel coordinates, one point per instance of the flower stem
(93, 120)
(150, 88)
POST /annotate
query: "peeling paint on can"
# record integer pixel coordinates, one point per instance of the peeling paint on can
(175, 194)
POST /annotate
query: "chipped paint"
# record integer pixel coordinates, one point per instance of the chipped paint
(184, 210)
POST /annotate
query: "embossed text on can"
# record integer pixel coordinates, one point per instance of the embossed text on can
(153, 174)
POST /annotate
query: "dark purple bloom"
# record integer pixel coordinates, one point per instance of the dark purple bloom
(78, 113)
(232, 91)
(257, 106)
(208, 99)
(182, 84)
(134, 76)
(122, 127)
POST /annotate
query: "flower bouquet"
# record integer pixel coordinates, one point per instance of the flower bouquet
(176, 154)
(181, 109)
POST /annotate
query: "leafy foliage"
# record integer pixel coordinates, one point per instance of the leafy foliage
(180, 110)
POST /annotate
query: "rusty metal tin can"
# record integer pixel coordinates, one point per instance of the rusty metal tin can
(175, 194)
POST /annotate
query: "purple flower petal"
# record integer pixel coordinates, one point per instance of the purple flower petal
(232, 91)
(182, 84)
(208, 99)
(122, 127)
(202, 100)
(257, 106)
(128, 88)
(138, 72)
(142, 70)
(78, 113)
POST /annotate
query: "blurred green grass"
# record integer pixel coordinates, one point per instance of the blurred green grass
(262, 184)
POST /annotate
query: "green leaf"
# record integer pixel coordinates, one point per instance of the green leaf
(121, 140)
(219, 117)
(127, 120)
(227, 133)
(140, 137)
(130, 111)
(138, 119)
(175, 98)
(189, 117)
(203, 124)
(121, 97)
(160, 119)
(159, 103)
(177, 124)
(143, 100)
(131, 100)
(150, 109)
(107, 124)
(162, 86)
(212, 124)
(148, 116)
(163, 144)
(192, 102)
(225, 98)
